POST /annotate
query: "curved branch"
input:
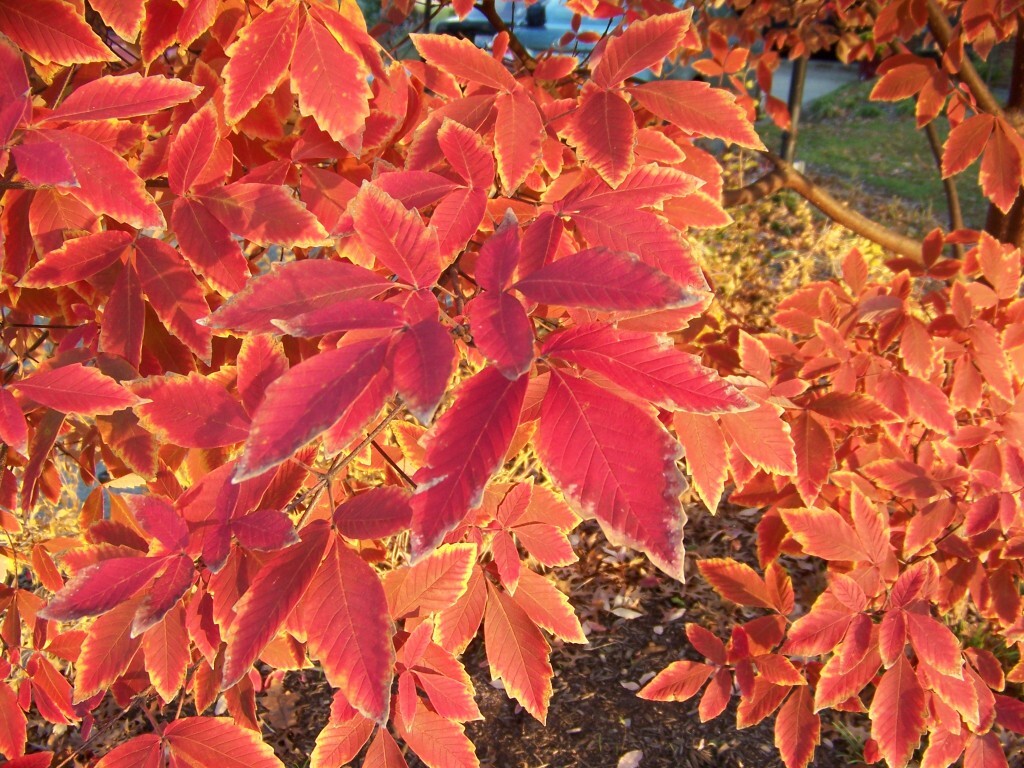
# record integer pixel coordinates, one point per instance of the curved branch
(786, 176)
(939, 26)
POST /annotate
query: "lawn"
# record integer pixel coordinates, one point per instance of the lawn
(877, 146)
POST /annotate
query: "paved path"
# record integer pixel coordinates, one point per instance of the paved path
(822, 77)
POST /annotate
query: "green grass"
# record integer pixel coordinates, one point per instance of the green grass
(877, 146)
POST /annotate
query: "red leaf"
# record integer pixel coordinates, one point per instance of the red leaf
(264, 214)
(517, 653)
(217, 741)
(647, 365)
(617, 463)
(383, 753)
(985, 751)
(348, 628)
(461, 59)
(192, 148)
(107, 651)
(761, 703)
(735, 581)
(603, 129)
(424, 360)
(706, 457)
(817, 632)
(340, 740)
(292, 289)
(679, 681)
(176, 579)
(105, 182)
(76, 389)
(837, 684)
(193, 412)
(852, 409)
(599, 278)
(98, 588)
(456, 219)
(547, 607)
(209, 247)
(143, 751)
(468, 155)
(396, 236)
(44, 163)
(13, 428)
(934, 644)
(464, 448)
(518, 137)
(166, 649)
(53, 32)
(124, 16)
(706, 643)
(499, 256)
(174, 293)
(437, 741)
(124, 318)
(331, 85)
(374, 514)
(897, 713)
(274, 592)
(902, 82)
(644, 44)
(824, 533)
(433, 584)
(699, 109)
(13, 724)
(716, 696)
(965, 143)
(259, 59)
(763, 437)
(305, 401)
(260, 362)
(903, 478)
(354, 314)
(1002, 166)
(502, 332)
(646, 185)
(797, 729)
(123, 96)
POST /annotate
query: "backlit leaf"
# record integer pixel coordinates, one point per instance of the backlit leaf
(482, 424)
(517, 653)
(259, 58)
(75, 388)
(617, 463)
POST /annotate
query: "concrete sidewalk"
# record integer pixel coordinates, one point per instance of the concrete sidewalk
(823, 77)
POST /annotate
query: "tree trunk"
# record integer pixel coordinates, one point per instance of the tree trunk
(796, 97)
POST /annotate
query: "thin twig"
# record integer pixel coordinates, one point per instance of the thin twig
(341, 462)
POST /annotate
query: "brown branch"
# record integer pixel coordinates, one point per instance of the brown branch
(956, 218)
(786, 176)
(938, 23)
(514, 43)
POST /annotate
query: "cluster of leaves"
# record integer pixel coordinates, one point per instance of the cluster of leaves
(888, 446)
(236, 236)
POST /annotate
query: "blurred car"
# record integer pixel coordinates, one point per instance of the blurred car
(540, 26)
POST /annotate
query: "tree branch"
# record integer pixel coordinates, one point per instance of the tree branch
(938, 23)
(956, 218)
(514, 43)
(786, 176)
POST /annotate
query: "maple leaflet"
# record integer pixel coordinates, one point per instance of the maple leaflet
(373, 335)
